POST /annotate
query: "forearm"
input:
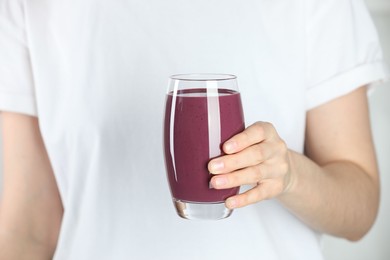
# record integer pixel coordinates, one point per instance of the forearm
(338, 198)
(336, 191)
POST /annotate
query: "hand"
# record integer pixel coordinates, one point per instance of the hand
(256, 156)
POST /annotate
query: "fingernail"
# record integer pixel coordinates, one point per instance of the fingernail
(230, 146)
(231, 203)
(217, 165)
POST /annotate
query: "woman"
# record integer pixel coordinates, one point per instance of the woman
(82, 86)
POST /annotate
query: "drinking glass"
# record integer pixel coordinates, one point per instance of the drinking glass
(202, 112)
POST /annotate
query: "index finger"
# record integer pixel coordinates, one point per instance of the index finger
(255, 133)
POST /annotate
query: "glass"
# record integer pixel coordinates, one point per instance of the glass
(202, 112)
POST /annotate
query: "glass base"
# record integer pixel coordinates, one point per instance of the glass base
(201, 210)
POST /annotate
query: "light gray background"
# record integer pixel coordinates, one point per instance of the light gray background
(375, 245)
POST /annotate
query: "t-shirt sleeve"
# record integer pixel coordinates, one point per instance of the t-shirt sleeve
(16, 81)
(343, 51)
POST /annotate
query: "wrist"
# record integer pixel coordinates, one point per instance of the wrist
(291, 178)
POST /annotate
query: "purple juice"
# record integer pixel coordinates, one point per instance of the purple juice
(188, 145)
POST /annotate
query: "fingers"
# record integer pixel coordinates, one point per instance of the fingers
(250, 156)
(266, 190)
(245, 176)
(255, 156)
(253, 134)
(250, 175)
(259, 153)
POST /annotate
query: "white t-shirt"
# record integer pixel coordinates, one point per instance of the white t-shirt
(95, 73)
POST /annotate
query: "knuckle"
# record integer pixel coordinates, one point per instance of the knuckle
(249, 197)
(247, 176)
(245, 137)
(235, 180)
(258, 124)
(282, 146)
(258, 154)
(264, 194)
(258, 128)
(245, 134)
(259, 193)
(253, 197)
(279, 187)
(269, 126)
(234, 162)
(284, 168)
(258, 173)
(245, 200)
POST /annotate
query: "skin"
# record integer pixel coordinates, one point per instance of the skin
(31, 209)
(334, 187)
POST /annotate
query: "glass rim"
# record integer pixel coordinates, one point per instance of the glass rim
(203, 77)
